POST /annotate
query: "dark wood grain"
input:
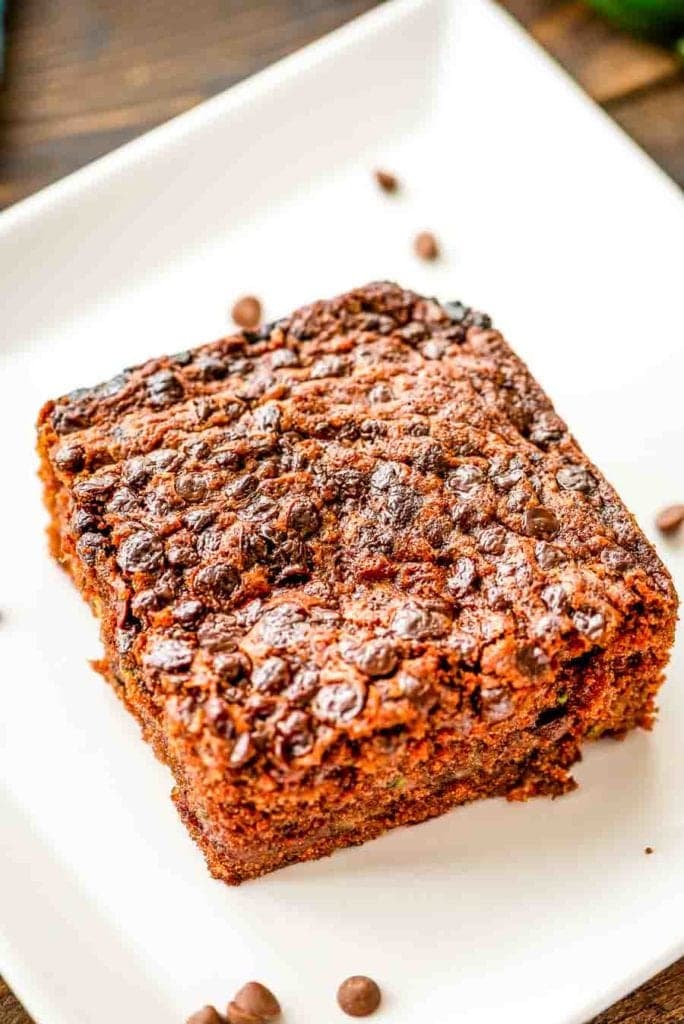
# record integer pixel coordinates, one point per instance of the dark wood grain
(84, 76)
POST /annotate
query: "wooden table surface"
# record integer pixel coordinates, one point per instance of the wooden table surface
(84, 76)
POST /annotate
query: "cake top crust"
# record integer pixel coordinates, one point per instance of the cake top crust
(359, 514)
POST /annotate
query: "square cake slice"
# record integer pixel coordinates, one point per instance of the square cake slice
(352, 570)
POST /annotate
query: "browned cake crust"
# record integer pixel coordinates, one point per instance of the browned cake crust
(352, 570)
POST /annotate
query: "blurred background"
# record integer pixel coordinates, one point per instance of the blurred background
(84, 76)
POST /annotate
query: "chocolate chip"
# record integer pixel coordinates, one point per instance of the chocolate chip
(531, 661)
(163, 388)
(170, 656)
(207, 1015)
(403, 504)
(496, 704)
(217, 633)
(456, 311)
(380, 393)
(616, 558)
(303, 517)
(339, 703)
(236, 1015)
(243, 750)
(413, 623)
(554, 597)
(246, 312)
(256, 999)
(267, 417)
(94, 491)
(217, 582)
(358, 996)
(141, 552)
(271, 676)
(426, 246)
(191, 486)
(591, 623)
(576, 478)
(388, 182)
(231, 667)
(547, 555)
(462, 578)
(69, 458)
(88, 546)
(283, 625)
(547, 429)
(670, 518)
(83, 521)
(188, 613)
(376, 658)
(328, 366)
(492, 540)
(243, 487)
(540, 522)
(295, 732)
(136, 472)
(465, 479)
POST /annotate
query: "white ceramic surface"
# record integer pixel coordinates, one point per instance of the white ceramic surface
(550, 219)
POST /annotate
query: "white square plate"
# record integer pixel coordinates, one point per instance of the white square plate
(559, 226)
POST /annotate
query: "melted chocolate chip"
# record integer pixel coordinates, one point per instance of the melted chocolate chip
(163, 388)
(576, 478)
(272, 676)
(540, 522)
(462, 578)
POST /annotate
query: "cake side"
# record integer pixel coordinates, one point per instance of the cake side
(352, 570)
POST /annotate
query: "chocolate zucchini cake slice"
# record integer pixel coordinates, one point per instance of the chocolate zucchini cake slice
(352, 570)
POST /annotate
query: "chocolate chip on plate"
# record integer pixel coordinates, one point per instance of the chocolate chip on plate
(670, 518)
(426, 246)
(253, 1004)
(358, 996)
(207, 1015)
(388, 182)
(247, 312)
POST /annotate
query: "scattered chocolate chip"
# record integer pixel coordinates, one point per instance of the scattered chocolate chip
(254, 998)
(170, 656)
(246, 312)
(426, 246)
(649, 850)
(388, 182)
(358, 996)
(339, 703)
(136, 472)
(576, 478)
(540, 522)
(670, 518)
(207, 1015)
(141, 552)
(376, 658)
